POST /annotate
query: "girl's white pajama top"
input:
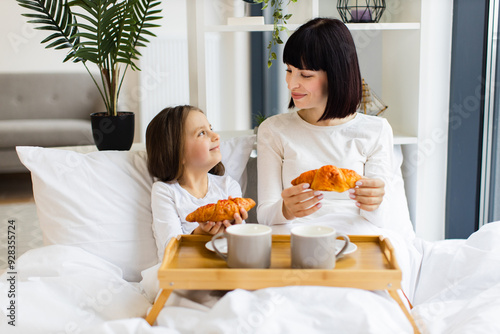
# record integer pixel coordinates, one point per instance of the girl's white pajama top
(171, 204)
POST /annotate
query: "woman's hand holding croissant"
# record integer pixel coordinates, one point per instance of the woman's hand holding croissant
(300, 201)
(368, 193)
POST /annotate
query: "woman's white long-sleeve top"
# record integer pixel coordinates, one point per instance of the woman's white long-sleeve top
(288, 146)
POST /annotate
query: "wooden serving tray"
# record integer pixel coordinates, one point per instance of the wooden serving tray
(188, 264)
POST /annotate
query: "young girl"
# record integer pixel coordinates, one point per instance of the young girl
(184, 155)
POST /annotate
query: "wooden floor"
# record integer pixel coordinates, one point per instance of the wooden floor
(15, 188)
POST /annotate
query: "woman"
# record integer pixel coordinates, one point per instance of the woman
(325, 84)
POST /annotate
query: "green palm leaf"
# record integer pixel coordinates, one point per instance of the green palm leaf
(107, 33)
(53, 16)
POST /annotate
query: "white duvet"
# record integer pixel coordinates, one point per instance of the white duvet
(63, 289)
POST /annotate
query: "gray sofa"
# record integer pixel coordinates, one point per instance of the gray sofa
(44, 109)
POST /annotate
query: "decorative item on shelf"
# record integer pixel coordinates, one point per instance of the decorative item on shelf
(361, 11)
(108, 34)
(371, 104)
(247, 19)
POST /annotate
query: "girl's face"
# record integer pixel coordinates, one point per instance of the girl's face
(201, 150)
(309, 89)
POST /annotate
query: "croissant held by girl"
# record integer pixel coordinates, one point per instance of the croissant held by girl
(224, 209)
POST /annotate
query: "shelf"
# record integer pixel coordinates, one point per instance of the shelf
(246, 28)
(292, 27)
(384, 26)
(404, 140)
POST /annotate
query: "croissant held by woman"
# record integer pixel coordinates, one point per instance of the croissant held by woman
(329, 178)
(224, 209)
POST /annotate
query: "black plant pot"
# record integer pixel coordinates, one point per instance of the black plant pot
(113, 132)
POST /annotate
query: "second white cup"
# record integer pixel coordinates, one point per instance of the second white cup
(313, 247)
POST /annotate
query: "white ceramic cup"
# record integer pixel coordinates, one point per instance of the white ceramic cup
(313, 247)
(248, 246)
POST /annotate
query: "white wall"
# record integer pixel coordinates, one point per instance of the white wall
(233, 91)
(435, 53)
(22, 51)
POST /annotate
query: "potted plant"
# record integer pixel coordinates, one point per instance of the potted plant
(108, 34)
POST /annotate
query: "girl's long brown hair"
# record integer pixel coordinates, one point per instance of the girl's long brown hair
(165, 144)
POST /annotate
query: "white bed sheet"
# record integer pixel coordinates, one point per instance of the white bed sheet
(63, 289)
(458, 290)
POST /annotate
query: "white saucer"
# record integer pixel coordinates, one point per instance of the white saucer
(220, 243)
(350, 249)
(222, 246)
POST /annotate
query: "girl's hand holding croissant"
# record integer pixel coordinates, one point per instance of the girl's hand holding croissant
(213, 228)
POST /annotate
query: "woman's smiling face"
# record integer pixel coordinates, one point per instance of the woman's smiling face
(309, 89)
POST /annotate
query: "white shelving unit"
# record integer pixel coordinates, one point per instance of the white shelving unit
(406, 60)
(292, 27)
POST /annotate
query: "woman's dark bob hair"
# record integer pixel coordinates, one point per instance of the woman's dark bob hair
(165, 139)
(326, 44)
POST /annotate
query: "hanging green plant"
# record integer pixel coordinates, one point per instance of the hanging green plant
(279, 22)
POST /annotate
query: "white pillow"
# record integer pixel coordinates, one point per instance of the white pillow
(235, 154)
(101, 201)
(398, 218)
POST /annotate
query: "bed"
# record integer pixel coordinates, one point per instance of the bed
(97, 270)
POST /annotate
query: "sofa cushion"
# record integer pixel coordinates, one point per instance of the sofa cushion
(45, 132)
(48, 95)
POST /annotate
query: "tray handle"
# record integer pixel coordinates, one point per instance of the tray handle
(171, 249)
(388, 250)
